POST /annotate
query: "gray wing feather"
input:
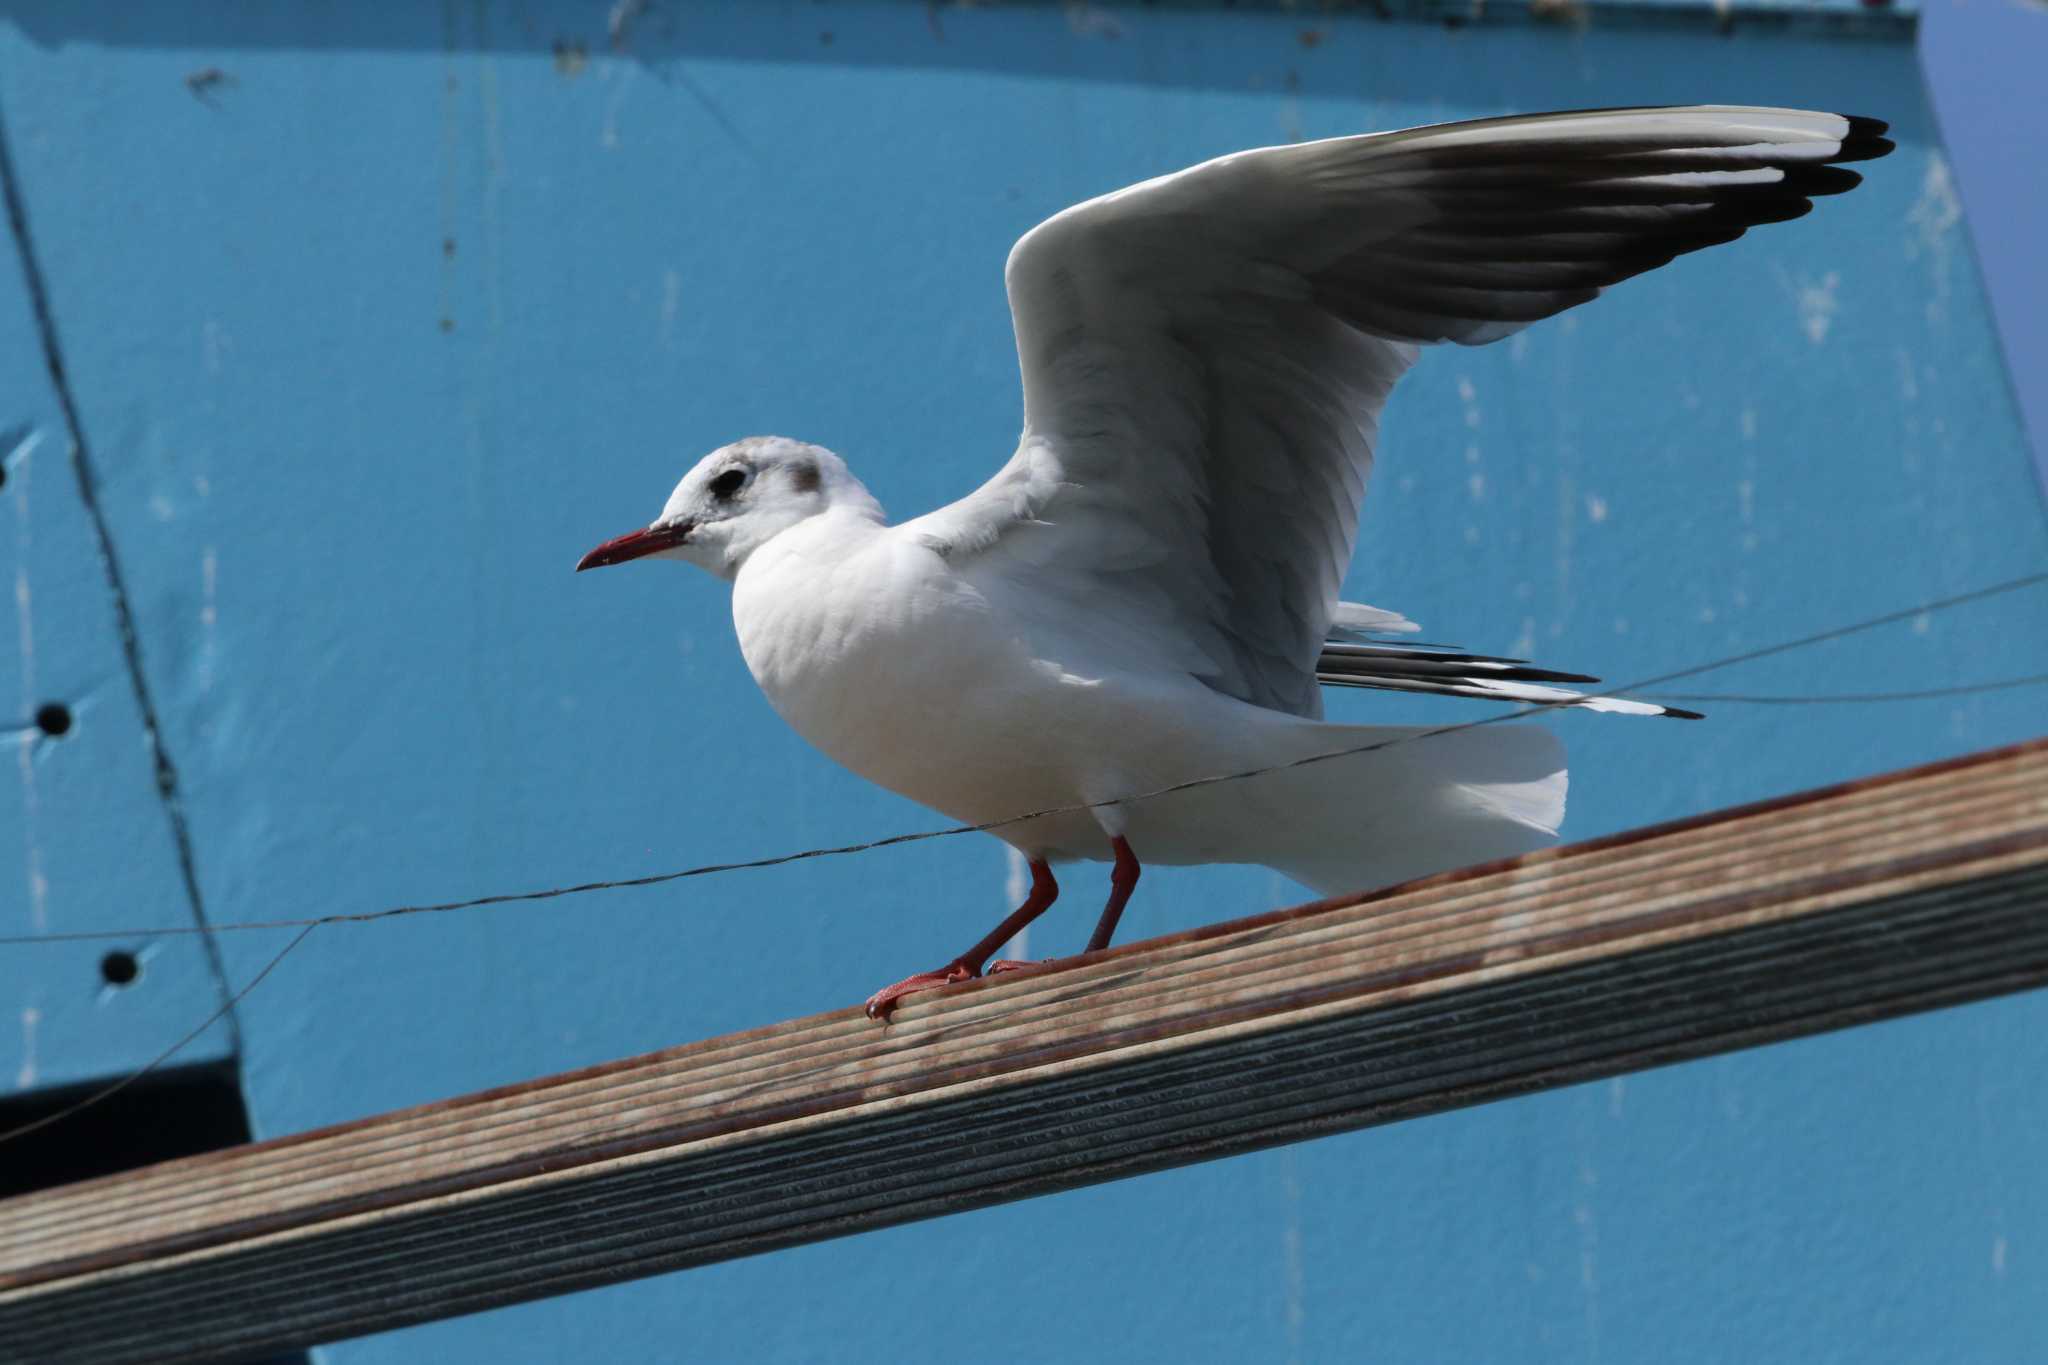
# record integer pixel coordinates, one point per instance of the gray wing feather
(1205, 356)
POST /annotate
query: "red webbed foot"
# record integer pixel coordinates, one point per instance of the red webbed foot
(884, 1000)
(1014, 964)
(967, 966)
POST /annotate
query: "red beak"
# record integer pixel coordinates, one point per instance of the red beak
(634, 544)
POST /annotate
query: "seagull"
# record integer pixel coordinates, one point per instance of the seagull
(1146, 595)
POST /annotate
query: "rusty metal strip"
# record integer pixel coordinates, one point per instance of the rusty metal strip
(454, 1144)
(1859, 902)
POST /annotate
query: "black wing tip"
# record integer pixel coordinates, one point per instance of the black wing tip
(1546, 675)
(1866, 140)
(1826, 180)
(1782, 207)
(1680, 713)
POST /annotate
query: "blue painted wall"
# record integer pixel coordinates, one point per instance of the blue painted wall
(1982, 59)
(371, 336)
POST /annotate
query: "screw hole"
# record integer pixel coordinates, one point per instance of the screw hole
(119, 968)
(54, 719)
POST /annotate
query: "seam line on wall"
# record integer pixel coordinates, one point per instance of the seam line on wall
(124, 615)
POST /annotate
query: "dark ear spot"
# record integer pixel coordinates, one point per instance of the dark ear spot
(804, 476)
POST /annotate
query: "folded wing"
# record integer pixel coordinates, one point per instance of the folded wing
(1442, 670)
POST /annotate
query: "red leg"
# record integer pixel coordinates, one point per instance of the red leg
(1123, 879)
(967, 966)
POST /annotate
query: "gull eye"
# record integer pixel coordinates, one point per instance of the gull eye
(728, 483)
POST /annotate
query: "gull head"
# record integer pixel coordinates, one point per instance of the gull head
(737, 499)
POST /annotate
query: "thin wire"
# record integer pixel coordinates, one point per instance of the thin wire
(779, 860)
(1818, 698)
(307, 926)
(109, 1091)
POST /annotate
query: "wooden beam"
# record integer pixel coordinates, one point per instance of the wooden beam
(1877, 898)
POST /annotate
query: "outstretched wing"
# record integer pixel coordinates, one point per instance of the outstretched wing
(1205, 356)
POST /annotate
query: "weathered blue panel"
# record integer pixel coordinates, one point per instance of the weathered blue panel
(88, 842)
(429, 302)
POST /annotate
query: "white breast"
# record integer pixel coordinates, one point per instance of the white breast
(973, 699)
(877, 653)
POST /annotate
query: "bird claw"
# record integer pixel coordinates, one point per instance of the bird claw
(1014, 964)
(884, 1000)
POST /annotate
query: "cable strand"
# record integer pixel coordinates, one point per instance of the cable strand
(308, 925)
(1833, 698)
(919, 836)
(113, 1088)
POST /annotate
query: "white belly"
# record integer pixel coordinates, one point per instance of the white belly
(987, 707)
(899, 669)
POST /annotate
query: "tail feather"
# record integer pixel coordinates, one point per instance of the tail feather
(1358, 655)
(1415, 803)
(1432, 803)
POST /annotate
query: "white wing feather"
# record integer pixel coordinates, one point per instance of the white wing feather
(1205, 356)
